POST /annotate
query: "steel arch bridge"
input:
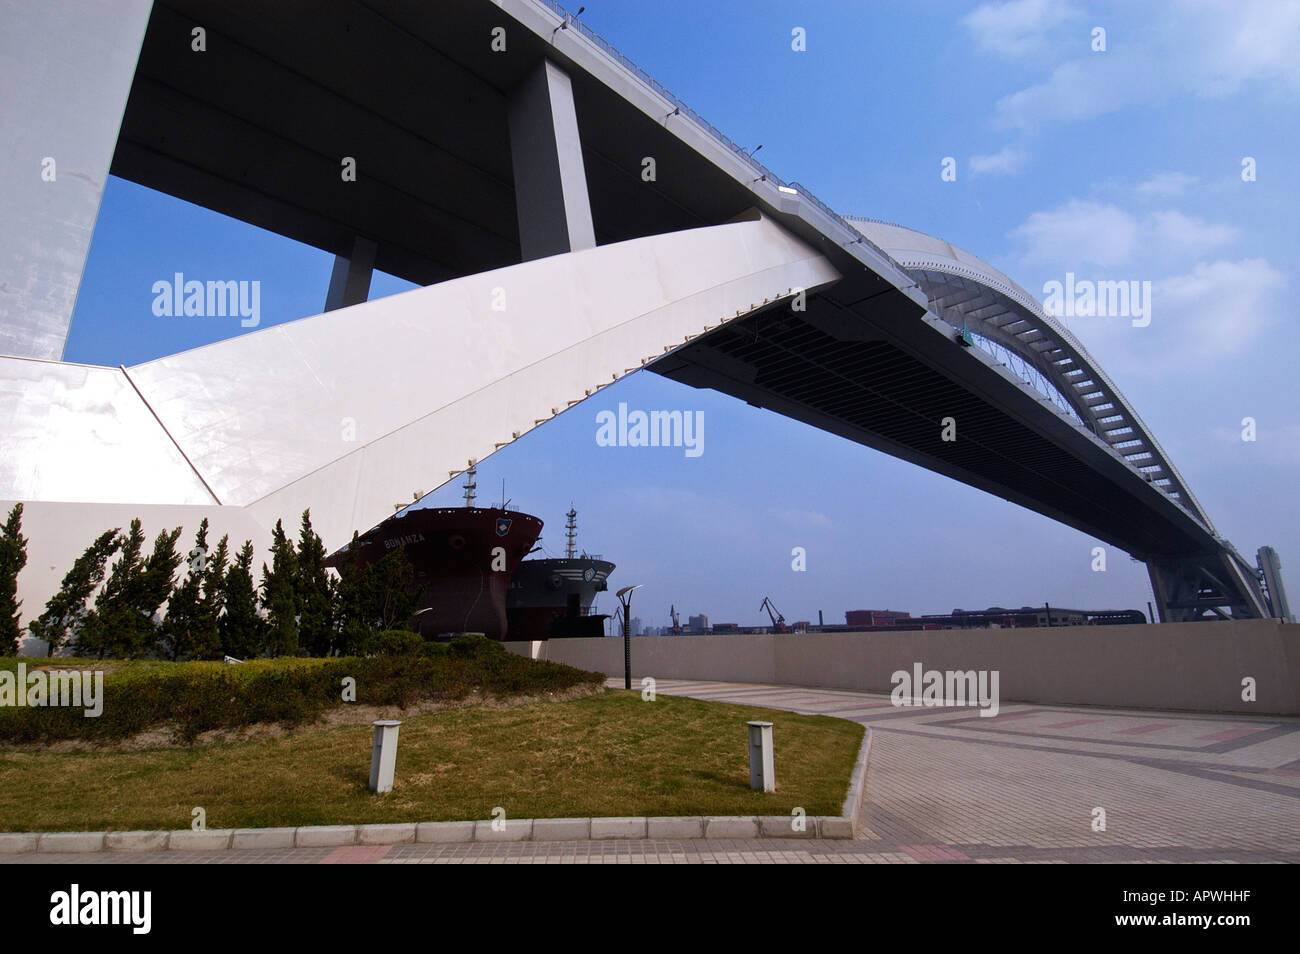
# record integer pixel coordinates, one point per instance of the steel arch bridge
(520, 165)
(1012, 326)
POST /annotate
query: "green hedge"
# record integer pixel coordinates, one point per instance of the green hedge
(197, 697)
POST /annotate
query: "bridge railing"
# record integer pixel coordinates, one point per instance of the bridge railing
(762, 171)
(808, 194)
(613, 52)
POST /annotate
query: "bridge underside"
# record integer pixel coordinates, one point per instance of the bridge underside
(840, 367)
(470, 160)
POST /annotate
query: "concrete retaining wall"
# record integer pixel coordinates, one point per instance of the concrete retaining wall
(1197, 666)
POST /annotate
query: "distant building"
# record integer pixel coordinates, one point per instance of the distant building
(995, 617)
(637, 626)
(697, 624)
(874, 618)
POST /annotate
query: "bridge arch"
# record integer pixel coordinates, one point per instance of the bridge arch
(969, 293)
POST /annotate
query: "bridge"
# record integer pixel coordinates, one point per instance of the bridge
(570, 221)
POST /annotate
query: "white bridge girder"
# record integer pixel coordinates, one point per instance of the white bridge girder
(353, 411)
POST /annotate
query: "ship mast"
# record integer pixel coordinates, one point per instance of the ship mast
(571, 532)
(470, 485)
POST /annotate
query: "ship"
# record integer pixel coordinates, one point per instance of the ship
(553, 597)
(463, 558)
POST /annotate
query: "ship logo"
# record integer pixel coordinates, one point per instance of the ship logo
(589, 574)
(503, 526)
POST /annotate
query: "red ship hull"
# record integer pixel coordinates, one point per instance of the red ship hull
(463, 558)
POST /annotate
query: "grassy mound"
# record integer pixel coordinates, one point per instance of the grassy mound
(198, 697)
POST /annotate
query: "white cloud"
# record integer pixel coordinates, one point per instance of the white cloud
(1208, 48)
(1166, 183)
(1242, 40)
(1201, 321)
(1078, 233)
(1082, 89)
(1017, 28)
(1081, 233)
(1218, 309)
(1008, 161)
(1179, 232)
(806, 518)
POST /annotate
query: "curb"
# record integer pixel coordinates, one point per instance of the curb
(842, 826)
(857, 784)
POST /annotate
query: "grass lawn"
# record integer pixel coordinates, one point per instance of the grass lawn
(610, 754)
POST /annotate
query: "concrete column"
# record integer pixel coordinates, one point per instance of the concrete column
(383, 756)
(546, 152)
(350, 280)
(762, 758)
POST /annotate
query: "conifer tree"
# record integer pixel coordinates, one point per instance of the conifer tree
(373, 597)
(13, 557)
(65, 613)
(313, 592)
(206, 635)
(159, 574)
(190, 629)
(241, 627)
(396, 590)
(214, 580)
(122, 625)
(351, 593)
(279, 598)
(101, 633)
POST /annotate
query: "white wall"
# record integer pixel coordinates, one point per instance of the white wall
(1196, 666)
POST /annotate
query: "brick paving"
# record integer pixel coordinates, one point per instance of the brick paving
(948, 786)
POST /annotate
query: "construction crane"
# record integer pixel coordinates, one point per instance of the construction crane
(677, 622)
(774, 614)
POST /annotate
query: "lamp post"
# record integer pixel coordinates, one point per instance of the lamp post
(624, 597)
(418, 622)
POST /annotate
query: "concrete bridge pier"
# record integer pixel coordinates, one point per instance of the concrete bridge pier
(1205, 586)
(546, 155)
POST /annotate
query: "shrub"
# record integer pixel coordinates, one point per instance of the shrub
(196, 697)
(394, 642)
(474, 646)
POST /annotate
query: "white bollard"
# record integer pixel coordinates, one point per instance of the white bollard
(762, 760)
(383, 757)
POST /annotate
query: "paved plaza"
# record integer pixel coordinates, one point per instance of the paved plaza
(949, 786)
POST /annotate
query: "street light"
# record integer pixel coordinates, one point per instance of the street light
(419, 624)
(565, 24)
(624, 597)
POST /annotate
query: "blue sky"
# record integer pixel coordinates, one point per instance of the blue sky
(1124, 164)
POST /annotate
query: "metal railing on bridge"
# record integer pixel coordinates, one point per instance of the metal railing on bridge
(763, 172)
